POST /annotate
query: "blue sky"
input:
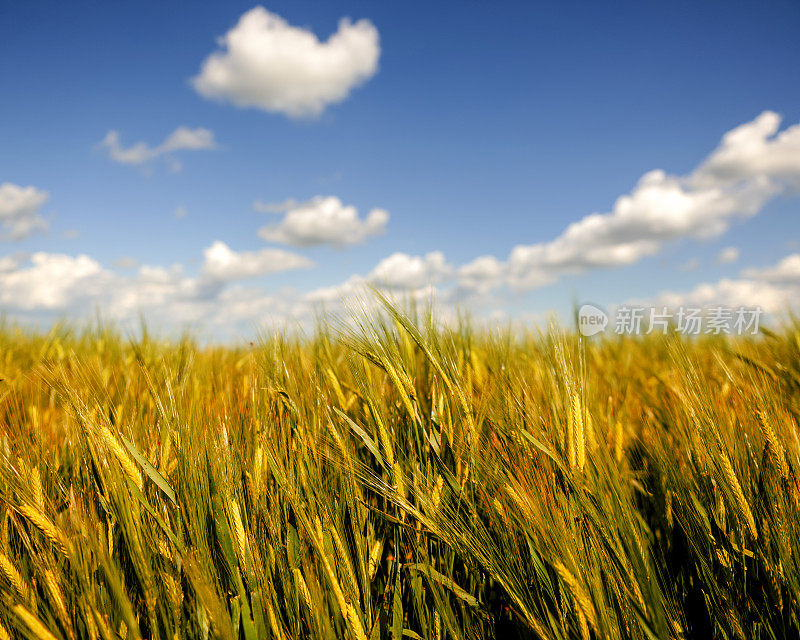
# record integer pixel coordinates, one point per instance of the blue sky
(477, 127)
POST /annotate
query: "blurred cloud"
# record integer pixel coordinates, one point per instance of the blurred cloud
(182, 139)
(323, 220)
(20, 210)
(266, 63)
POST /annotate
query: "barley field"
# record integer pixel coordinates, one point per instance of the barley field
(396, 478)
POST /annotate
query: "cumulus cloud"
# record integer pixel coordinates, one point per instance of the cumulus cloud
(19, 210)
(482, 274)
(9, 263)
(402, 271)
(265, 62)
(222, 264)
(126, 262)
(787, 271)
(772, 288)
(399, 273)
(689, 265)
(49, 283)
(324, 220)
(753, 164)
(182, 139)
(276, 207)
(728, 255)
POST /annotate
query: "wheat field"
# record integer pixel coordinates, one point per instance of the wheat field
(396, 478)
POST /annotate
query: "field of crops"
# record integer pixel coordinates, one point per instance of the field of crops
(399, 479)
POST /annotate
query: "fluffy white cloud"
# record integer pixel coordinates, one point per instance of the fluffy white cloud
(265, 62)
(182, 139)
(19, 210)
(482, 274)
(276, 207)
(51, 282)
(222, 264)
(728, 255)
(9, 263)
(323, 220)
(126, 262)
(55, 283)
(755, 150)
(772, 288)
(753, 164)
(399, 273)
(787, 271)
(402, 271)
(690, 265)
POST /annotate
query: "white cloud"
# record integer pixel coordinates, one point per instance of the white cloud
(787, 271)
(399, 273)
(182, 139)
(772, 288)
(9, 263)
(55, 284)
(276, 207)
(482, 274)
(402, 271)
(730, 293)
(224, 265)
(753, 164)
(324, 220)
(690, 265)
(265, 62)
(19, 210)
(126, 262)
(728, 255)
(51, 282)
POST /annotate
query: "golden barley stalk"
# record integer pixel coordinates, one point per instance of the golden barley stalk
(436, 494)
(302, 587)
(571, 454)
(345, 560)
(238, 529)
(273, 621)
(33, 623)
(58, 600)
(354, 621)
(57, 595)
(618, 436)
(578, 593)
(355, 624)
(580, 440)
(12, 575)
(122, 457)
(776, 452)
(591, 439)
(38, 492)
(45, 526)
(91, 626)
(374, 558)
(583, 626)
(736, 488)
(4, 634)
(102, 623)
